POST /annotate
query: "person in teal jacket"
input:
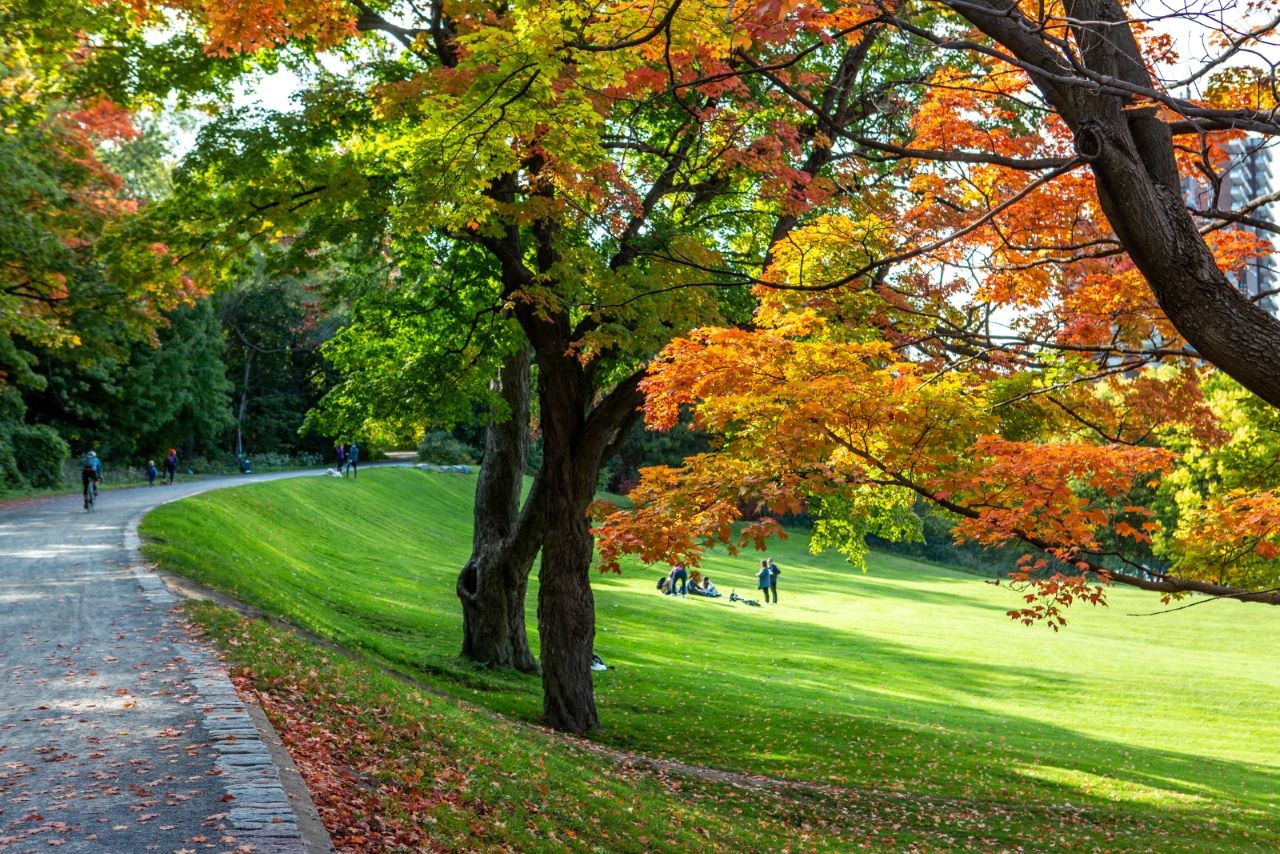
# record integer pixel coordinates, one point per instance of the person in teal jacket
(353, 460)
(90, 474)
(764, 580)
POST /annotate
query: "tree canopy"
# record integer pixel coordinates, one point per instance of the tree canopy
(884, 251)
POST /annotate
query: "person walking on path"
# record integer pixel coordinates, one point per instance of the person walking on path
(171, 465)
(152, 472)
(764, 579)
(353, 460)
(774, 572)
(680, 576)
(341, 450)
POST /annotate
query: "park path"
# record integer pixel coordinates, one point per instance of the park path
(118, 731)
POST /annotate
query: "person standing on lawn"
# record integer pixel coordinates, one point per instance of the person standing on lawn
(764, 579)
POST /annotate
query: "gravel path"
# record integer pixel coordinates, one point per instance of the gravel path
(118, 732)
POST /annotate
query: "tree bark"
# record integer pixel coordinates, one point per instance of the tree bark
(505, 540)
(579, 434)
(1130, 150)
(566, 605)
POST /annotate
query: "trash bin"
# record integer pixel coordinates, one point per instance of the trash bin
(246, 465)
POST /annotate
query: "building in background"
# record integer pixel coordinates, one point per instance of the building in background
(1250, 172)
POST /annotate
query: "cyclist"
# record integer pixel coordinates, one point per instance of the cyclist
(90, 473)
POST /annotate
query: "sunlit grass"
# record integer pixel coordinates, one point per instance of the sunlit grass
(908, 679)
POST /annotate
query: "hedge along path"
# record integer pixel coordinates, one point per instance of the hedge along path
(120, 729)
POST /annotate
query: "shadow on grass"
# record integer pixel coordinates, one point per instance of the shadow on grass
(922, 740)
(917, 722)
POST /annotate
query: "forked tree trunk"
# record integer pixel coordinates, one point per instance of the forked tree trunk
(492, 585)
(577, 439)
(580, 431)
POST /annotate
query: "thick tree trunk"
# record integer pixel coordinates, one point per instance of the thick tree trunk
(492, 588)
(1132, 155)
(566, 606)
(577, 439)
(580, 431)
(1130, 150)
(1151, 220)
(492, 585)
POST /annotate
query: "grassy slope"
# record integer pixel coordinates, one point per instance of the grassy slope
(908, 679)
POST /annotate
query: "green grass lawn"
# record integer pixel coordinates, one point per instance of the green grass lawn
(904, 685)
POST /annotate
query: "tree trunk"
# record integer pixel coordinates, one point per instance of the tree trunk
(492, 585)
(566, 606)
(492, 588)
(244, 404)
(580, 431)
(577, 439)
(1226, 328)
(1130, 150)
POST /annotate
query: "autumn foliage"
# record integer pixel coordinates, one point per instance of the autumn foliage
(67, 264)
(939, 310)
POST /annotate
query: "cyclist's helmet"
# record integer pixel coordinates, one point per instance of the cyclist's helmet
(93, 454)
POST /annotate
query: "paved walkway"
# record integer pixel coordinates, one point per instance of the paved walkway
(118, 732)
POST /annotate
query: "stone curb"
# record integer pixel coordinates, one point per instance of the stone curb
(262, 813)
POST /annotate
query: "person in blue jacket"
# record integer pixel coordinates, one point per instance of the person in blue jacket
(764, 580)
(353, 460)
(152, 472)
(90, 474)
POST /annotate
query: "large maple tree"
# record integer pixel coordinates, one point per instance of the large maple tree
(873, 377)
(885, 175)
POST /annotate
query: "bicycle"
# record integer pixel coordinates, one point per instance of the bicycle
(90, 493)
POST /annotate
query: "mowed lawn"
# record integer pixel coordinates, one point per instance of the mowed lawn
(905, 682)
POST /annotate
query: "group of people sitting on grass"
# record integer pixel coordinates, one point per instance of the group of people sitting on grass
(679, 582)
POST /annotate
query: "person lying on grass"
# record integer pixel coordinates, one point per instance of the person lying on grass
(704, 587)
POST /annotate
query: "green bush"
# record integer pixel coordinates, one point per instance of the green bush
(271, 461)
(10, 476)
(39, 452)
(215, 463)
(940, 547)
(442, 449)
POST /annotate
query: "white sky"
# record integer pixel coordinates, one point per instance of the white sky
(271, 92)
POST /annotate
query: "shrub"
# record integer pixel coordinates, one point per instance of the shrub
(442, 449)
(39, 452)
(276, 461)
(215, 463)
(10, 477)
